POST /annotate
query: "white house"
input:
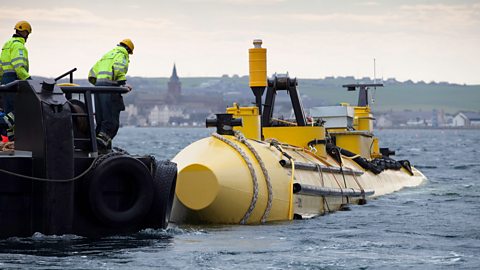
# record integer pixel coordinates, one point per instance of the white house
(383, 121)
(466, 119)
(161, 116)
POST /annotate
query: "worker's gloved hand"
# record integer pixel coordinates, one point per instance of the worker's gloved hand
(128, 86)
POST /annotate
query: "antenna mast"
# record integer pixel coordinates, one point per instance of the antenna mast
(374, 72)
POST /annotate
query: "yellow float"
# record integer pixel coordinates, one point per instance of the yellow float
(257, 169)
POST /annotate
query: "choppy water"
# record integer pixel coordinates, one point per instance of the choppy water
(434, 226)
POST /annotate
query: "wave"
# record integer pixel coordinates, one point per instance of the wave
(172, 230)
(425, 166)
(42, 237)
(447, 194)
(465, 166)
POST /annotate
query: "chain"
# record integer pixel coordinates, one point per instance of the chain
(252, 174)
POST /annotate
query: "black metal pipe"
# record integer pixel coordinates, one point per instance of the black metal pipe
(311, 190)
(67, 73)
(94, 89)
(224, 123)
(9, 87)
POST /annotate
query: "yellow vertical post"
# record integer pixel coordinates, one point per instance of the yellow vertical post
(257, 57)
(258, 65)
(375, 151)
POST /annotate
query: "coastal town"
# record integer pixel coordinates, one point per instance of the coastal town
(172, 104)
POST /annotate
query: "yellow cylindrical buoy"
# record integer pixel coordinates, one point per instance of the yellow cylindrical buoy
(216, 183)
(258, 64)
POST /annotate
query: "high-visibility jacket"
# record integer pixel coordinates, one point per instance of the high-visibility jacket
(111, 68)
(14, 58)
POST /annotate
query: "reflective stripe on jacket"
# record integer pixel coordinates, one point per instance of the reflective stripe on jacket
(112, 67)
(14, 58)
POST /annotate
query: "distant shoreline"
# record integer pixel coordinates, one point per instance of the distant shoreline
(378, 128)
(443, 128)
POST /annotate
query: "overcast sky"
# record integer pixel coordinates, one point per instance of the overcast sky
(418, 40)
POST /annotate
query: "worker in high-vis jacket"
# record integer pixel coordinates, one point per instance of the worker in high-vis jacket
(13, 66)
(110, 70)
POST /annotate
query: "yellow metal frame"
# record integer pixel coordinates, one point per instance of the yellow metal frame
(250, 120)
(357, 142)
(363, 119)
(298, 136)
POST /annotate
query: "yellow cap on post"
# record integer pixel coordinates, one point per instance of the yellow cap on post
(258, 64)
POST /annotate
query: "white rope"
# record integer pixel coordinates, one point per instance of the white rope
(252, 174)
(240, 137)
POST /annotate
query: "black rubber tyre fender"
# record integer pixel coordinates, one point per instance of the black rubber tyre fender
(118, 170)
(164, 182)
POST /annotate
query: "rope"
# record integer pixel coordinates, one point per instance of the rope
(338, 183)
(334, 177)
(352, 157)
(240, 137)
(290, 211)
(277, 145)
(92, 166)
(340, 163)
(286, 146)
(307, 158)
(284, 122)
(319, 158)
(7, 147)
(358, 183)
(344, 180)
(319, 168)
(252, 174)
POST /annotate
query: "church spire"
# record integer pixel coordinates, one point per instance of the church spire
(174, 76)
(174, 86)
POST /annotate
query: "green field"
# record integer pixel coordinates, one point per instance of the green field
(450, 98)
(394, 96)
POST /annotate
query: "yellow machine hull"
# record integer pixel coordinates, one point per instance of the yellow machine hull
(215, 184)
(285, 169)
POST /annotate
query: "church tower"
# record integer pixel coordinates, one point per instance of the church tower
(174, 87)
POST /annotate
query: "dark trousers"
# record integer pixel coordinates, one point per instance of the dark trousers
(3, 125)
(8, 98)
(107, 112)
(8, 101)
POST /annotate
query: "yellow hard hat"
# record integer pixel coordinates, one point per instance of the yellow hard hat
(127, 42)
(23, 26)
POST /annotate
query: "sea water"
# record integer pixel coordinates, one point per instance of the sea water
(433, 226)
